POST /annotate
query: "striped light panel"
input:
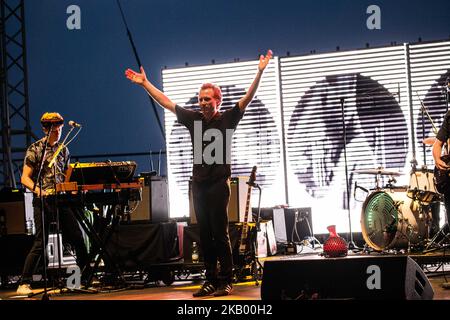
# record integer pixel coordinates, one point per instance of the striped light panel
(294, 128)
(322, 93)
(430, 71)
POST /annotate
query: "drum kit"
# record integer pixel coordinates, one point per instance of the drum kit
(399, 217)
(395, 218)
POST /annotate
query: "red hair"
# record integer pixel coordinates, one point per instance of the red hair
(216, 89)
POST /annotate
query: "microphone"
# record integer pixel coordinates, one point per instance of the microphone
(74, 124)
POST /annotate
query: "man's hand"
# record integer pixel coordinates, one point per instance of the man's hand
(264, 61)
(135, 77)
(441, 165)
(40, 193)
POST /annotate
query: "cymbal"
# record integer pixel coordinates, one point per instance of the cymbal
(429, 141)
(380, 171)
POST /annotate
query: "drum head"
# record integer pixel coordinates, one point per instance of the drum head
(379, 220)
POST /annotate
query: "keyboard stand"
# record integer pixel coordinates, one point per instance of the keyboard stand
(100, 241)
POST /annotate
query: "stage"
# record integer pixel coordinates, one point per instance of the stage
(434, 265)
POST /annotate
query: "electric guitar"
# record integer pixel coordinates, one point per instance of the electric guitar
(442, 177)
(243, 244)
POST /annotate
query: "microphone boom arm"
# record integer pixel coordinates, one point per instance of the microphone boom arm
(61, 146)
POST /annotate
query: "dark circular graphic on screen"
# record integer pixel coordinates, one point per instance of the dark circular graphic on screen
(374, 122)
(435, 103)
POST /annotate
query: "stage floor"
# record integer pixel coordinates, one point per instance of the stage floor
(183, 289)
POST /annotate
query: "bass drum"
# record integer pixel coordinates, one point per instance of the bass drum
(390, 220)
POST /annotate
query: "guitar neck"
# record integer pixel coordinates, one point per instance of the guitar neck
(247, 204)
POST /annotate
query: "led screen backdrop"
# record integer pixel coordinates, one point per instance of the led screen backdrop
(294, 129)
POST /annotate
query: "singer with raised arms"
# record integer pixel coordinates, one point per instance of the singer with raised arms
(211, 173)
(40, 177)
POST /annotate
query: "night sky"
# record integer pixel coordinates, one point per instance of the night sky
(80, 73)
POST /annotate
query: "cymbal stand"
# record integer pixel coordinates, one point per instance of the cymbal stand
(351, 243)
(425, 111)
(447, 92)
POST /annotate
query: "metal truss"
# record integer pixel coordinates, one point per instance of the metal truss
(14, 102)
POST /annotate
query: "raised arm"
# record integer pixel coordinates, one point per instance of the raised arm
(155, 93)
(248, 97)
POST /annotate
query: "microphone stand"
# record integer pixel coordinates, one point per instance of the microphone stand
(45, 295)
(59, 247)
(351, 244)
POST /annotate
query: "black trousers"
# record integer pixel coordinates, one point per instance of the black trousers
(71, 234)
(210, 204)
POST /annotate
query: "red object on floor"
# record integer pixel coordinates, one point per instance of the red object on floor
(335, 246)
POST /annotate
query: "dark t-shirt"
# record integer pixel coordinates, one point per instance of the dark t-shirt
(212, 152)
(50, 176)
(444, 131)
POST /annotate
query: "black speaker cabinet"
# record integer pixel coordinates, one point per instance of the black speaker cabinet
(154, 205)
(352, 277)
(236, 206)
(16, 207)
(14, 249)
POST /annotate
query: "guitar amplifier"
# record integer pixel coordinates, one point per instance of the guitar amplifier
(292, 224)
(236, 206)
(154, 205)
(16, 208)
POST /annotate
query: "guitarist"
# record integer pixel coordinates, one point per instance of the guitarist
(442, 169)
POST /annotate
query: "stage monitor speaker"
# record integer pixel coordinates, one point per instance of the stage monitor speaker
(356, 277)
(16, 208)
(236, 206)
(154, 205)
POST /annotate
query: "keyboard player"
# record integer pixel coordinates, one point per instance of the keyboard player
(52, 125)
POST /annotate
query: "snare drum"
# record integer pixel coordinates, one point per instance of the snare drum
(421, 186)
(390, 219)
